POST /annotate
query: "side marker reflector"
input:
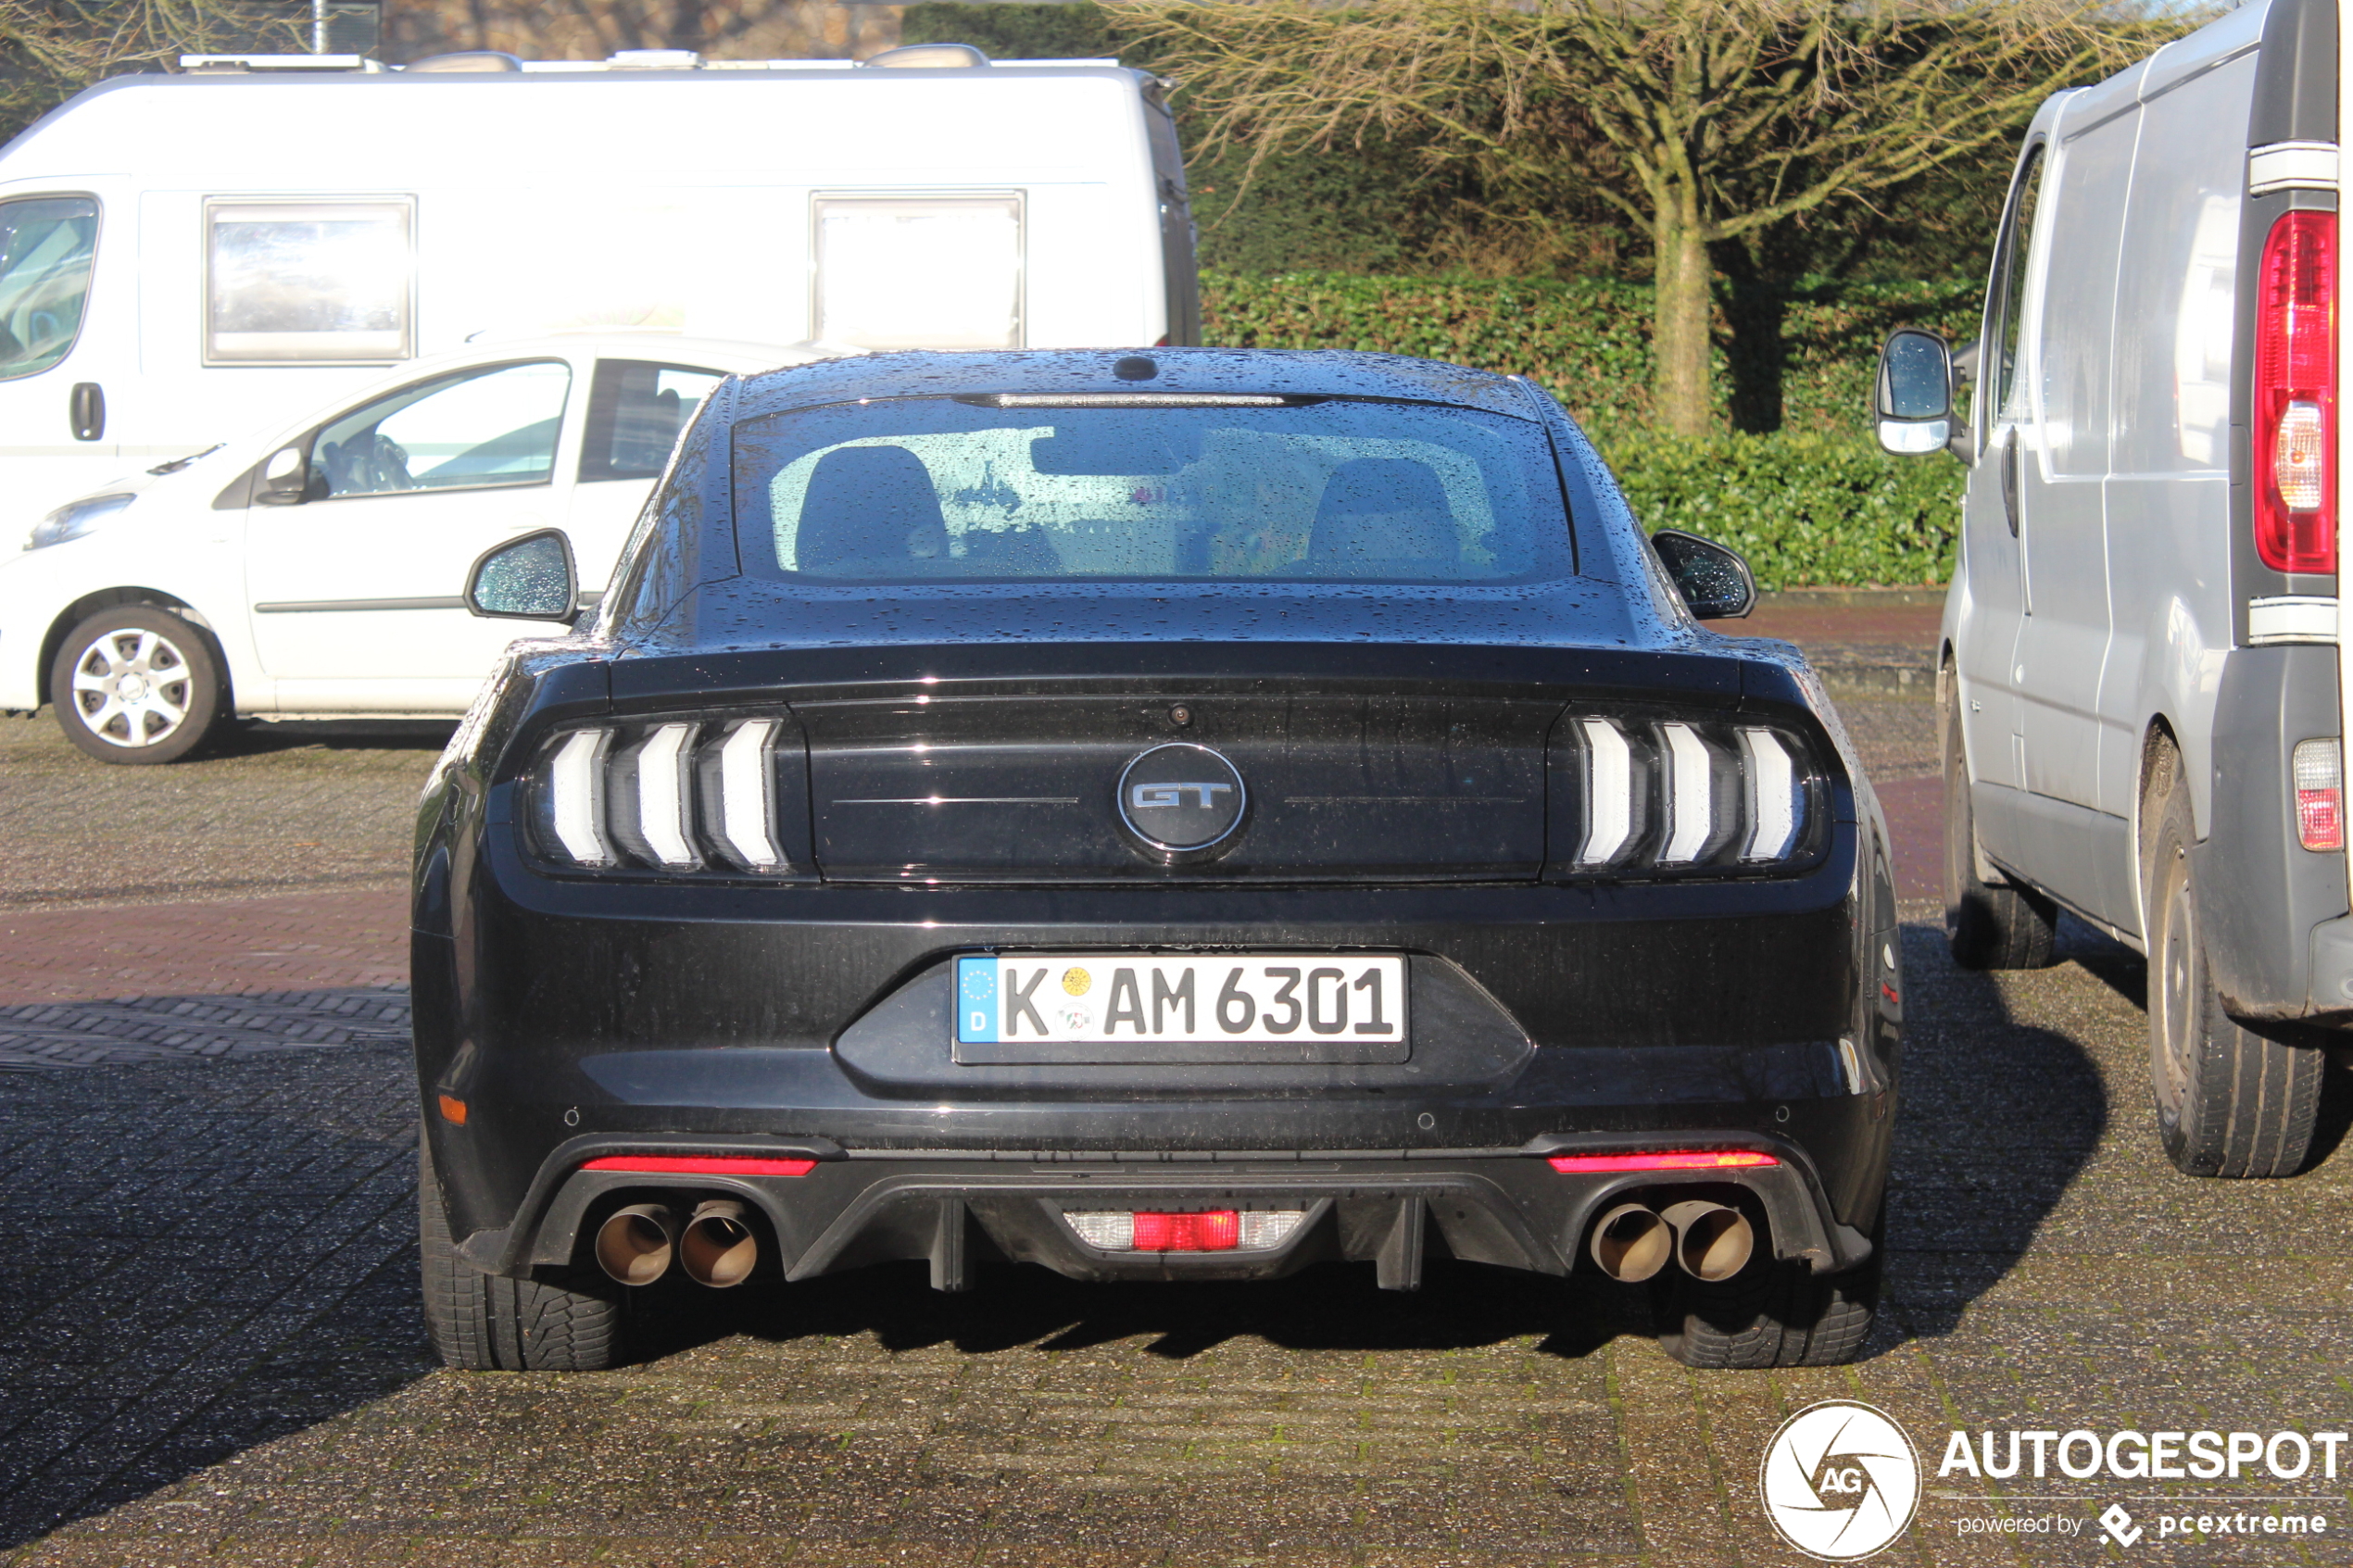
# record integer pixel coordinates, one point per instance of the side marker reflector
(453, 1111)
(1673, 1159)
(698, 1165)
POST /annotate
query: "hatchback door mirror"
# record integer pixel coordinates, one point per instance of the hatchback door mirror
(1915, 397)
(284, 477)
(1714, 579)
(527, 579)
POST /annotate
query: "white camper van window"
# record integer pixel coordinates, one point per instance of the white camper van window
(466, 431)
(315, 282)
(46, 248)
(918, 272)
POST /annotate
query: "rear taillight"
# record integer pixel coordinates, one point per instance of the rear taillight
(1652, 795)
(2295, 396)
(2319, 794)
(675, 795)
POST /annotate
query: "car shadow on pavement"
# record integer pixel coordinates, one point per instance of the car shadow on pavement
(1999, 1117)
(1327, 1307)
(196, 1257)
(256, 737)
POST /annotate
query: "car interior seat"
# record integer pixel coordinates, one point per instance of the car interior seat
(867, 510)
(1382, 517)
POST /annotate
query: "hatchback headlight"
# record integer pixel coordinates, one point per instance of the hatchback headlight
(75, 518)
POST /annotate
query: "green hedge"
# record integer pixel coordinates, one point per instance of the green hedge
(1816, 504)
(1807, 509)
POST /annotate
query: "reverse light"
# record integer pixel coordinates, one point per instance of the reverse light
(698, 1165)
(2319, 793)
(2295, 396)
(1663, 1159)
(1216, 1230)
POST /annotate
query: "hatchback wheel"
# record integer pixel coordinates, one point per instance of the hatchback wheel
(2229, 1102)
(136, 684)
(488, 1323)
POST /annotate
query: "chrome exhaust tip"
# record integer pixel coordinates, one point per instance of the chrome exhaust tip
(718, 1249)
(1712, 1242)
(1631, 1243)
(636, 1246)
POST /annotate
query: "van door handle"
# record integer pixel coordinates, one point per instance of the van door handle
(2009, 480)
(86, 410)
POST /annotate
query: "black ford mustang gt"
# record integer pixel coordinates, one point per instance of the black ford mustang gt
(1184, 817)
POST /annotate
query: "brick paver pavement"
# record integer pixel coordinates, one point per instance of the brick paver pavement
(209, 1347)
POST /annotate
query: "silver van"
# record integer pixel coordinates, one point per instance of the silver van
(2139, 684)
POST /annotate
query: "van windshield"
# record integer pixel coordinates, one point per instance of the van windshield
(46, 248)
(1345, 489)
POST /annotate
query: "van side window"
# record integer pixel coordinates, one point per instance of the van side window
(48, 245)
(307, 282)
(467, 431)
(636, 410)
(2018, 235)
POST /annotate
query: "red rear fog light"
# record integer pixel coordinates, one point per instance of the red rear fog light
(1663, 1159)
(1220, 1230)
(700, 1165)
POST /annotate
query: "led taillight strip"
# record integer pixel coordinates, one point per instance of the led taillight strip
(1662, 1159)
(1680, 767)
(698, 1165)
(602, 802)
(2294, 394)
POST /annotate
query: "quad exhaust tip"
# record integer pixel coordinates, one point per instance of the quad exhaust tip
(1708, 1241)
(637, 1245)
(718, 1247)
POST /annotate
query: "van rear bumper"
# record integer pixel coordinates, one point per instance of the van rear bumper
(2277, 936)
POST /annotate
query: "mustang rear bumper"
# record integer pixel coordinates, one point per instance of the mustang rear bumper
(1391, 1207)
(574, 1019)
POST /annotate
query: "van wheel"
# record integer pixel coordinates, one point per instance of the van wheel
(2229, 1102)
(1988, 925)
(135, 683)
(1770, 1314)
(487, 1323)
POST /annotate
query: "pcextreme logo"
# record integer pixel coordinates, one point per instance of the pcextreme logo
(1841, 1481)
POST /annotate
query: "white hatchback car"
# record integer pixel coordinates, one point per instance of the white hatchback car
(317, 570)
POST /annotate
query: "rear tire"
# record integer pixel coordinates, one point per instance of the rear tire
(1770, 1314)
(1988, 924)
(2228, 1101)
(136, 684)
(487, 1323)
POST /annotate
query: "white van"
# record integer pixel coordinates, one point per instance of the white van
(185, 258)
(2142, 706)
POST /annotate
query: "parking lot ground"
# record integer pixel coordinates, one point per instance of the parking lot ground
(210, 1351)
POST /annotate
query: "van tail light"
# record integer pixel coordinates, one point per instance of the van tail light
(2319, 794)
(2295, 396)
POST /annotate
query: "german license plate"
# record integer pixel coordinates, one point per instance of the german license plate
(1284, 1006)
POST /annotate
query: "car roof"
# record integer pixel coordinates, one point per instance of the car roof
(1319, 372)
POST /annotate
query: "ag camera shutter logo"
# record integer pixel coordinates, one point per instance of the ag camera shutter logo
(1840, 1481)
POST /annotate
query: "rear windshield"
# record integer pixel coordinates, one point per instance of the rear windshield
(1352, 489)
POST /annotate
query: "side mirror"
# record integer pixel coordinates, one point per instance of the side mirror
(283, 478)
(1714, 579)
(527, 579)
(1914, 402)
